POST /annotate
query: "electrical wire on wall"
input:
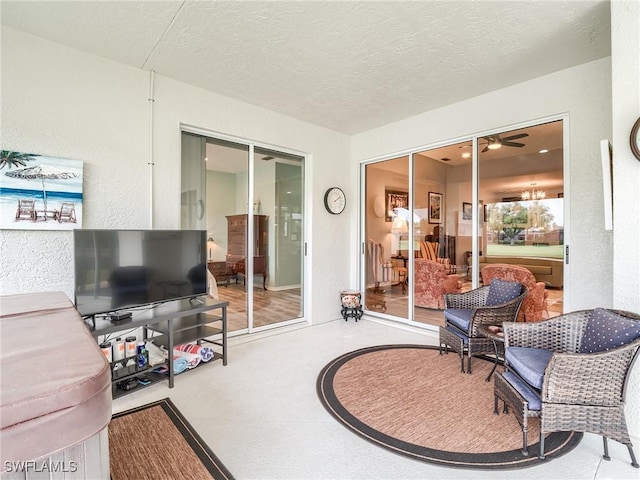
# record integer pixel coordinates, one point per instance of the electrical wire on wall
(150, 163)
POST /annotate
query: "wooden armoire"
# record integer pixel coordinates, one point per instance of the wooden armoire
(237, 245)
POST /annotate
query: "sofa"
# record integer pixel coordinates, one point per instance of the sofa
(547, 270)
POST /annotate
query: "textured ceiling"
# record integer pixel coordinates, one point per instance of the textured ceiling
(345, 65)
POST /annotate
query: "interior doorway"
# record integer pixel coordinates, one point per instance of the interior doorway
(253, 211)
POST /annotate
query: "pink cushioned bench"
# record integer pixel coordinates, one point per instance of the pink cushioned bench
(56, 383)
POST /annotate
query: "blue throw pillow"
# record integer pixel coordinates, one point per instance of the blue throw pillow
(606, 330)
(502, 292)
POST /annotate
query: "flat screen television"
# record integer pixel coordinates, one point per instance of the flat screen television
(120, 269)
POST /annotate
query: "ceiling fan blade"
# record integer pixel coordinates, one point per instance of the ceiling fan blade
(512, 144)
(486, 149)
(515, 137)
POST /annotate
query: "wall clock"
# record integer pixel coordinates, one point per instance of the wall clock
(634, 139)
(334, 200)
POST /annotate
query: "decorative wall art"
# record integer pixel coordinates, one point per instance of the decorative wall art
(466, 211)
(39, 192)
(395, 199)
(435, 207)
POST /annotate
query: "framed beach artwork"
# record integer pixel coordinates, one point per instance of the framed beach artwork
(38, 192)
(435, 207)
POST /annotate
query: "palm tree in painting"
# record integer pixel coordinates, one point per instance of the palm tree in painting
(15, 159)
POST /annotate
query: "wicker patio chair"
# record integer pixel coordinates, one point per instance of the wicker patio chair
(579, 391)
(475, 308)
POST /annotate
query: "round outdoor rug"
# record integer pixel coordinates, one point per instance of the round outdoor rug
(415, 402)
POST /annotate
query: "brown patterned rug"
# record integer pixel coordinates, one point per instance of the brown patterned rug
(156, 441)
(415, 402)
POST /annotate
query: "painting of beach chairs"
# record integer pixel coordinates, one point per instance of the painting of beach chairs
(38, 192)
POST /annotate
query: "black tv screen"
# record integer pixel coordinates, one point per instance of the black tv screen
(119, 269)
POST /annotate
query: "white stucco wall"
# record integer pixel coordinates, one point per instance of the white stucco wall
(62, 102)
(584, 94)
(625, 74)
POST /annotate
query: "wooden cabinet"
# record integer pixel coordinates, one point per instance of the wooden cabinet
(237, 245)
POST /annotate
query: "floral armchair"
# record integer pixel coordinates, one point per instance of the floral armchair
(431, 283)
(534, 307)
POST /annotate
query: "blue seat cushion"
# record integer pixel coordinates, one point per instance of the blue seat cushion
(532, 398)
(606, 330)
(529, 363)
(460, 317)
(459, 334)
(502, 292)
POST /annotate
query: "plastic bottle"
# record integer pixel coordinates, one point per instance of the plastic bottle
(143, 355)
(118, 349)
(130, 344)
(106, 349)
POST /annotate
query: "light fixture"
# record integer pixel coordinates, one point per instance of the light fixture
(399, 225)
(544, 150)
(494, 144)
(533, 194)
(399, 229)
(466, 155)
(210, 242)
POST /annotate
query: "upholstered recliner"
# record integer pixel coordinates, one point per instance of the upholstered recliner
(534, 307)
(572, 372)
(431, 282)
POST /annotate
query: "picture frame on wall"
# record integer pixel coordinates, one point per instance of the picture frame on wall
(39, 192)
(395, 199)
(466, 211)
(435, 207)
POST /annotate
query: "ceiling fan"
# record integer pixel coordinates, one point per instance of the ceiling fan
(495, 142)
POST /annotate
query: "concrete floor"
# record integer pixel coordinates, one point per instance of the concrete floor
(261, 416)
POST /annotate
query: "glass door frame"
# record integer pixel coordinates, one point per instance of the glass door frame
(305, 289)
(474, 138)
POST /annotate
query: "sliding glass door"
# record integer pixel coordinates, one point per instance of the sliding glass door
(250, 199)
(386, 232)
(442, 202)
(521, 184)
(463, 210)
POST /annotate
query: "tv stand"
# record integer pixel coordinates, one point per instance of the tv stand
(197, 300)
(175, 323)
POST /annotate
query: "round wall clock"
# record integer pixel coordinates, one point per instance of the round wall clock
(634, 139)
(334, 200)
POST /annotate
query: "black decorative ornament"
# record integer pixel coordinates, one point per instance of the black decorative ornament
(634, 139)
(334, 200)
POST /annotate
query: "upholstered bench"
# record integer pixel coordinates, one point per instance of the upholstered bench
(571, 371)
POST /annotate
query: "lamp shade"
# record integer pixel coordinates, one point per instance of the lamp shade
(399, 225)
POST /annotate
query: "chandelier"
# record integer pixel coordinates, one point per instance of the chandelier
(533, 194)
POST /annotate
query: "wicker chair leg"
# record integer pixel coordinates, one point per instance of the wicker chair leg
(469, 363)
(525, 448)
(541, 454)
(634, 462)
(605, 443)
